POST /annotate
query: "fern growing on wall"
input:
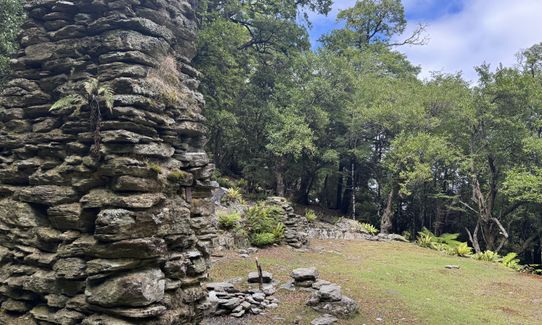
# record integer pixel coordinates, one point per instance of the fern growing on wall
(96, 96)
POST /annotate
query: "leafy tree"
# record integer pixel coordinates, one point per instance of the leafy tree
(11, 17)
(372, 22)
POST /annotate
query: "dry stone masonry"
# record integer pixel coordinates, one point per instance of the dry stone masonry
(295, 233)
(104, 222)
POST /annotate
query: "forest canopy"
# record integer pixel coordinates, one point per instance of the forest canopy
(349, 126)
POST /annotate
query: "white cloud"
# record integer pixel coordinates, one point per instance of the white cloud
(484, 30)
(491, 31)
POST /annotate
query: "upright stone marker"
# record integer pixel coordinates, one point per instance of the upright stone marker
(104, 220)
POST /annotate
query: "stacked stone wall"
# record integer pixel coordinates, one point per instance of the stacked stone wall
(114, 229)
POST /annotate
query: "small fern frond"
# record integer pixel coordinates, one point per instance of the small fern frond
(91, 86)
(108, 96)
(67, 101)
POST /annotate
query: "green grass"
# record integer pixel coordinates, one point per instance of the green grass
(400, 283)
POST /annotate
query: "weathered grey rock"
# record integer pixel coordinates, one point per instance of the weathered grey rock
(305, 274)
(343, 308)
(103, 320)
(221, 286)
(134, 289)
(329, 292)
(70, 268)
(47, 194)
(258, 296)
(253, 277)
(325, 319)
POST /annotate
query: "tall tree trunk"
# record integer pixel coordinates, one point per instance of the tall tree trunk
(353, 176)
(279, 177)
(305, 185)
(537, 252)
(386, 221)
(340, 183)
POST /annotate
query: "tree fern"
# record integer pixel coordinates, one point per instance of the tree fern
(67, 101)
(91, 86)
(108, 97)
(93, 96)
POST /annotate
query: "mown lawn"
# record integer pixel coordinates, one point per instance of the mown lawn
(396, 283)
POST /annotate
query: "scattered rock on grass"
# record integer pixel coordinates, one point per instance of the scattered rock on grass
(253, 277)
(325, 319)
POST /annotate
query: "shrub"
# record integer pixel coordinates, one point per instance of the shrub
(311, 216)
(278, 231)
(263, 239)
(262, 219)
(511, 261)
(225, 182)
(425, 238)
(488, 256)
(164, 79)
(445, 242)
(407, 235)
(370, 228)
(463, 249)
(228, 220)
(233, 195)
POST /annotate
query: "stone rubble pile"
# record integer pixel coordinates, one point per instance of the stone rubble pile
(326, 297)
(296, 225)
(225, 299)
(122, 237)
(347, 229)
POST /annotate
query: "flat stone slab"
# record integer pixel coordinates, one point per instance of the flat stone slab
(325, 319)
(253, 277)
(305, 274)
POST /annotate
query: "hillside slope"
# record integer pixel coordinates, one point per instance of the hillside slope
(395, 283)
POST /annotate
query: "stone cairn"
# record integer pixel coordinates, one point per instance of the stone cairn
(114, 230)
(326, 297)
(225, 299)
(295, 233)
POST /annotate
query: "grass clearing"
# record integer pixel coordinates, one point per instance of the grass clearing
(398, 283)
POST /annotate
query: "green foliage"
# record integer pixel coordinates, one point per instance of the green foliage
(233, 195)
(511, 261)
(278, 231)
(228, 220)
(370, 228)
(155, 168)
(225, 182)
(11, 18)
(94, 96)
(263, 239)
(352, 116)
(488, 256)
(67, 102)
(446, 243)
(463, 249)
(262, 220)
(179, 176)
(425, 239)
(311, 216)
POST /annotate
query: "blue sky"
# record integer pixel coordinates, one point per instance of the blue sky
(461, 33)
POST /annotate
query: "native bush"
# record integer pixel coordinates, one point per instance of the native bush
(262, 219)
(311, 216)
(228, 220)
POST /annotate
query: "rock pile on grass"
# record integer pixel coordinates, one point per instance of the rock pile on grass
(225, 299)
